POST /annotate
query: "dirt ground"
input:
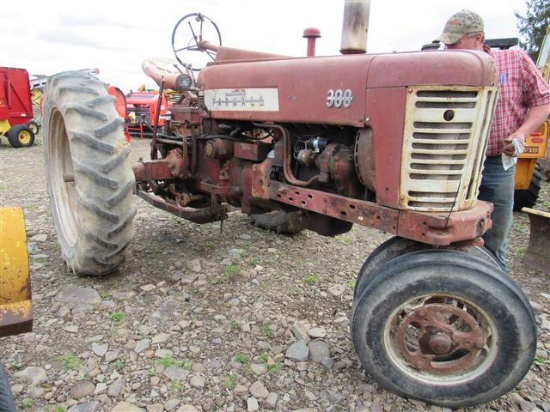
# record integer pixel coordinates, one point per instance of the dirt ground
(200, 316)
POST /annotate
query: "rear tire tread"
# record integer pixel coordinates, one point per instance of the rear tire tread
(103, 179)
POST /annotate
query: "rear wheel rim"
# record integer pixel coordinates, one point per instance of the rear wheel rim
(63, 180)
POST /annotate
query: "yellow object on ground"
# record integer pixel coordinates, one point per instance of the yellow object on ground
(16, 315)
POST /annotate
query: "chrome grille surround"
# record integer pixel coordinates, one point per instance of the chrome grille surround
(445, 138)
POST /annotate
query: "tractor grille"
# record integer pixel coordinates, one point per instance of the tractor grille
(444, 144)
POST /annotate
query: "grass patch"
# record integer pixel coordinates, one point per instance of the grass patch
(274, 367)
(267, 332)
(71, 362)
(56, 408)
(208, 244)
(346, 240)
(116, 317)
(520, 251)
(241, 358)
(229, 272)
(540, 361)
(118, 365)
(230, 381)
(169, 361)
(311, 280)
(177, 386)
(27, 403)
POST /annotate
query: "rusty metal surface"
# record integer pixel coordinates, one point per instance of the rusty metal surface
(442, 229)
(430, 334)
(538, 249)
(387, 122)
(291, 88)
(205, 215)
(464, 67)
(186, 115)
(16, 314)
(251, 151)
(431, 228)
(364, 155)
(152, 170)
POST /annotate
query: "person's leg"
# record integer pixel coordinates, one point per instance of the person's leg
(7, 404)
(497, 187)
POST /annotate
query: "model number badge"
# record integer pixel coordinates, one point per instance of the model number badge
(339, 98)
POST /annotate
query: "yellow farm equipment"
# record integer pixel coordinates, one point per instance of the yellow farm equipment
(16, 314)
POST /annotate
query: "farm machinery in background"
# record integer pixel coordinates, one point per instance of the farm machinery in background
(16, 109)
(146, 110)
(393, 142)
(535, 164)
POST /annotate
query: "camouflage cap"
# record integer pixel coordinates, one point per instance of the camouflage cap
(461, 23)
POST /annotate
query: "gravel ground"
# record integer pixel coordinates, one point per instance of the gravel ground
(204, 318)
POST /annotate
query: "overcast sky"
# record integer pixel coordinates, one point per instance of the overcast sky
(46, 37)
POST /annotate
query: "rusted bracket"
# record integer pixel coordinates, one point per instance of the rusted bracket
(440, 229)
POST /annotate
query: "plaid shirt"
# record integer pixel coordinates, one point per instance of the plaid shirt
(521, 86)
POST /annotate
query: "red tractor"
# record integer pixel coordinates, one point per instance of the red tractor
(16, 110)
(394, 142)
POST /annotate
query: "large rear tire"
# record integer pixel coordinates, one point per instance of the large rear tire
(89, 174)
(445, 328)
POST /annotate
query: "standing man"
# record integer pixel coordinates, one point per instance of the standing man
(522, 106)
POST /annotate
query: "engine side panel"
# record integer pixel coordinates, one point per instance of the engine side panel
(320, 90)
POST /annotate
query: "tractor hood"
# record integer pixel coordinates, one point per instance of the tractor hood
(331, 90)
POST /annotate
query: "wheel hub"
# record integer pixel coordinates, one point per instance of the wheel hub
(440, 338)
(440, 343)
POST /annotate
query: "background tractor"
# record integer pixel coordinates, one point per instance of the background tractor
(393, 142)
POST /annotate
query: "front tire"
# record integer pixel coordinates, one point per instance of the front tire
(399, 246)
(89, 175)
(442, 327)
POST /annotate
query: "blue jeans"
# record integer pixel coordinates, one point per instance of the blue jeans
(497, 187)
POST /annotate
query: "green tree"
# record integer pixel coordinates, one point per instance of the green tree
(533, 25)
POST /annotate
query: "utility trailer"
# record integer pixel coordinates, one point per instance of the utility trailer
(16, 110)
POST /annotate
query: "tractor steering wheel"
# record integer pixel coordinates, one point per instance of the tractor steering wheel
(187, 35)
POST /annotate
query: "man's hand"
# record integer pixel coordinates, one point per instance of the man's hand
(513, 146)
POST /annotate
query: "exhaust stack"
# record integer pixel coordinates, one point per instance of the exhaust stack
(355, 26)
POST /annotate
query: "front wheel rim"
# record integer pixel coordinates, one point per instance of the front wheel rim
(441, 339)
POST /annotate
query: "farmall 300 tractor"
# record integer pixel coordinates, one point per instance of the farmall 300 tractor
(393, 142)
